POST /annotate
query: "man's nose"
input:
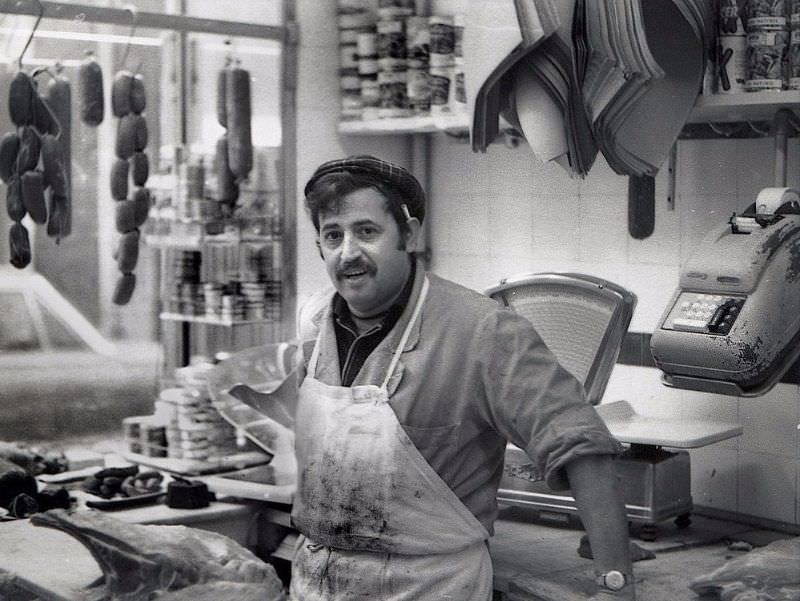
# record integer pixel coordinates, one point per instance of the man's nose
(350, 247)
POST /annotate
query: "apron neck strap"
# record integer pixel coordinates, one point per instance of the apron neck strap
(410, 326)
(312, 362)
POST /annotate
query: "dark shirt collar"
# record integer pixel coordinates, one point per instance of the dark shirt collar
(342, 314)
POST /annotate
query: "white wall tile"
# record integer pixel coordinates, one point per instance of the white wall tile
(648, 396)
(556, 227)
(603, 228)
(754, 168)
(472, 272)
(715, 477)
(653, 286)
(511, 226)
(718, 408)
(704, 167)
(602, 180)
(770, 422)
(767, 486)
(619, 384)
(701, 214)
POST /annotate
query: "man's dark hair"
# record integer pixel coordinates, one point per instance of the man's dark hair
(333, 180)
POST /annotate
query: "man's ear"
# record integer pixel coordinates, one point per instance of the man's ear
(412, 234)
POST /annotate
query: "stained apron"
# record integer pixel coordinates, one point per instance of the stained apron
(378, 522)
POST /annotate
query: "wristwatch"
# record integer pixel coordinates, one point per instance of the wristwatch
(613, 580)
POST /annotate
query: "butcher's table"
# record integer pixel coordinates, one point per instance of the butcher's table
(53, 566)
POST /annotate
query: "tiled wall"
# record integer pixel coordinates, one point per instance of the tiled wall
(502, 212)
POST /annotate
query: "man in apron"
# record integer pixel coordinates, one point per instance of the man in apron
(413, 386)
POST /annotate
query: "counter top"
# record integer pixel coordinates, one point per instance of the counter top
(536, 561)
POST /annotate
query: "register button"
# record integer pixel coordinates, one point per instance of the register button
(690, 325)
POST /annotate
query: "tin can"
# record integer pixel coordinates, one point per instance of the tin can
(442, 33)
(794, 60)
(367, 44)
(459, 95)
(732, 65)
(370, 92)
(348, 56)
(394, 95)
(731, 19)
(418, 42)
(766, 52)
(440, 82)
(757, 9)
(419, 91)
(388, 9)
(391, 39)
(458, 35)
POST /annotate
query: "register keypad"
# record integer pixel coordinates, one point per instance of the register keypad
(704, 313)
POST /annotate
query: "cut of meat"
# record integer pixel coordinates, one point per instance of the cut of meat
(140, 560)
(771, 572)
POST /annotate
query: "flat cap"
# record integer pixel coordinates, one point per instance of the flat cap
(391, 174)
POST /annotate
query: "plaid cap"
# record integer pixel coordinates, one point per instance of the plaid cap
(391, 174)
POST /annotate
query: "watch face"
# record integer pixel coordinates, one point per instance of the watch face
(615, 580)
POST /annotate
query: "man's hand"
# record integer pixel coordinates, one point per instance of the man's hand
(626, 594)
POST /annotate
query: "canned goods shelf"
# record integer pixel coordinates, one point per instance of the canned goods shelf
(747, 106)
(427, 124)
(215, 321)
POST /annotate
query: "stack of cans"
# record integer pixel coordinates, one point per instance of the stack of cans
(354, 17)
(407, 64)
(186, 297)
(195, 428)
(767, 45)
(794, 45)
(731, 48)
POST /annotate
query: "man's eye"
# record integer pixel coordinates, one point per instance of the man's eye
(332, 237)
(367, 231)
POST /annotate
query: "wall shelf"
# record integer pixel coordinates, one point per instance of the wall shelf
(747, 106)
(427, 124)
(717, 108)
(215, 321)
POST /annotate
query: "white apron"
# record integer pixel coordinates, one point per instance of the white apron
(378, 521)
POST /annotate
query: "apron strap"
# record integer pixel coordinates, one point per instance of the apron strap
(312, 362)
(399, 351)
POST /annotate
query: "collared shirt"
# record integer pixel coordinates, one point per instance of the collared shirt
(472, 376)
(354, 348)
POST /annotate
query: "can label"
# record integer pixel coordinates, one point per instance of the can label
(366, 42)
(418, 42)
(794, 61)
(443, 35)
(766, 51)
(348, 56)
(766, 8)
(370, 93)
(732, 66)
(395, 8)
(440, 81)
(419, 91)
(391, 40)
(393, 90)
(731, 19)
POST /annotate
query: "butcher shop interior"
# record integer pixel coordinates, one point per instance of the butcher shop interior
(401, 300)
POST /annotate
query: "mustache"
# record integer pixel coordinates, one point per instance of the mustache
(357, 264)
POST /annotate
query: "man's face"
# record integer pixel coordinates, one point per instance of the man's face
(364, 252)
